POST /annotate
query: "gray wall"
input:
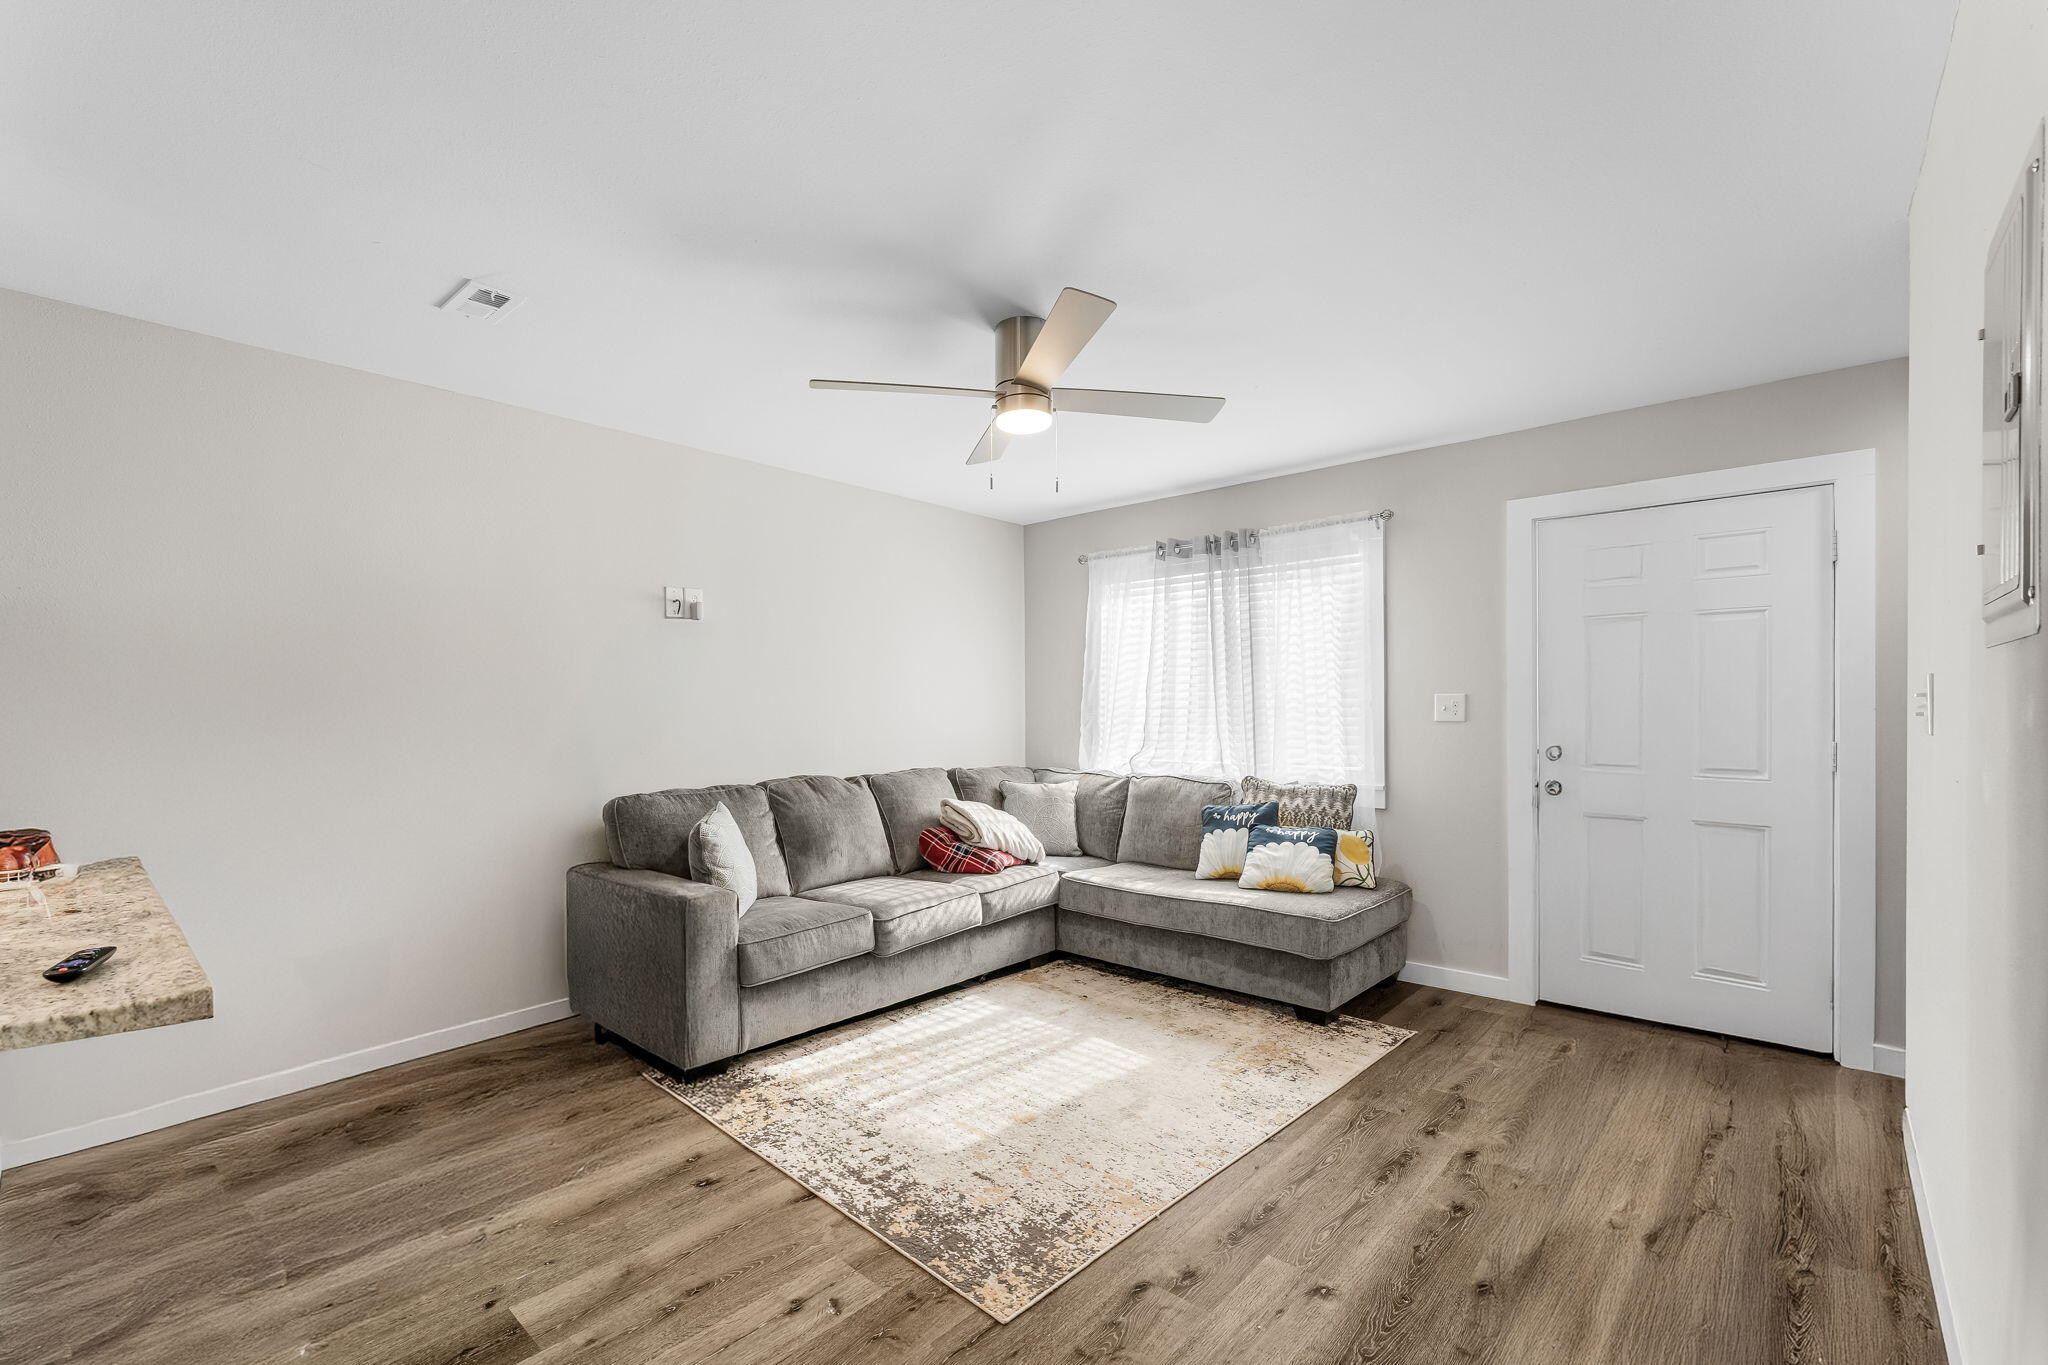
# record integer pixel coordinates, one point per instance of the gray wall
(1977, 1077)
(1443, 826)
(352, 663)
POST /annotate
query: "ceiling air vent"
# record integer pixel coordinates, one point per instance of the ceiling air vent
(476, 299)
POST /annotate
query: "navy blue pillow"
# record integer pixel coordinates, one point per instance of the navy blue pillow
(1290, 859)
(1225, 831)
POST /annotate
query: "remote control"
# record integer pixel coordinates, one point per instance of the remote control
(77, 965)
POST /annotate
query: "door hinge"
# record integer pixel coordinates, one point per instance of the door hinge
(1835, 760)
(1836, 546)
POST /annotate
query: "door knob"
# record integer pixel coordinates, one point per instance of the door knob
(1555, 788)
(1554, 752)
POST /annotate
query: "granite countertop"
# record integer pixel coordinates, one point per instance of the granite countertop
(153, 980)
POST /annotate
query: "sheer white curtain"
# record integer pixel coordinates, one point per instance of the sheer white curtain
(1247, 652)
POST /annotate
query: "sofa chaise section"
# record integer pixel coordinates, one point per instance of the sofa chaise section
(1320, 927)
(1314, 952)
(1148, 910)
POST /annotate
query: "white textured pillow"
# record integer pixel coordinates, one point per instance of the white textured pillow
(984, 826)
(719, 856)
(1047, 810)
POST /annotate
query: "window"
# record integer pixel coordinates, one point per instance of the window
(1247, 652)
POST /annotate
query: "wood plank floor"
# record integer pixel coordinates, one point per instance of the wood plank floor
(1515, 1185)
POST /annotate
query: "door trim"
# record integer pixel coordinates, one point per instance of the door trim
(1853, 476)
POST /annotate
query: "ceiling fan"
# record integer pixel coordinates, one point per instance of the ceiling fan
(1031, 355)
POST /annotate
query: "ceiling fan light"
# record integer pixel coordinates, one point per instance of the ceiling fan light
(1023, 414)
(1024, 421)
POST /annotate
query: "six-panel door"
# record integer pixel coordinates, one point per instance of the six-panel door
(1685, 669)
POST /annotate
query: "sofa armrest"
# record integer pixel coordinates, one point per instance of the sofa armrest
(655, 959)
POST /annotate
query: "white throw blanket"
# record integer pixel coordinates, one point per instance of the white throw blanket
(986, 827)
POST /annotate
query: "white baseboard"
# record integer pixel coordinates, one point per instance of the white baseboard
(1453, 979)
(1935, 1280)
(238, 1093)
(1887, 1060)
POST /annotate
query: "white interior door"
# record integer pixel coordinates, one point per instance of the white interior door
(1685, 677)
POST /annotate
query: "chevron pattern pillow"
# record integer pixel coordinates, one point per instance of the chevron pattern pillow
(1305, 805)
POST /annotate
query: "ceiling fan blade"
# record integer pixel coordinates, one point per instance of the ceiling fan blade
(1171, 407)
(991, 446)
(1075, 317)
(863, 386)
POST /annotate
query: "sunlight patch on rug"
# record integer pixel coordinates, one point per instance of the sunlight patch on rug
(1005, 1135)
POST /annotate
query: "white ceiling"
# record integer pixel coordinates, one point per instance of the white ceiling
(1372, 226)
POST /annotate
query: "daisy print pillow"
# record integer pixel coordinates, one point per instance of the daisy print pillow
(1225, 834)
(1288, 859)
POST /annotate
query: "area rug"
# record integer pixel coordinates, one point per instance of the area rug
(1005, 1135)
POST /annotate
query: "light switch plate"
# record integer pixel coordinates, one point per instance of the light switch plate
(1450, 706)
(683, 604)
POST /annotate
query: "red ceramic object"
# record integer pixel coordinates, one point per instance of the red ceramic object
(22, 848)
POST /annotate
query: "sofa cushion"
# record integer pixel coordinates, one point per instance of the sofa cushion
(652, 830)
(1074, 864)
(986, 784)
(1047, 810)
(1166, 898)
(831, 830)
(909, 802)
(1014, 890)
(789, 934)
(907, 910)
(1163, 820)
(1098, 808)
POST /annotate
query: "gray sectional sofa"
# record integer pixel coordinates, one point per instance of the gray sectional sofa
(850, 920)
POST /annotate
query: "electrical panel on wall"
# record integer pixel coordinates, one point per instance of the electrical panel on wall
(2011, 472)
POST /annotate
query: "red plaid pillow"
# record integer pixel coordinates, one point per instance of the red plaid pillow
(943, 850)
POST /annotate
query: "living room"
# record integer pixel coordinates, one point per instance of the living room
(662, 785)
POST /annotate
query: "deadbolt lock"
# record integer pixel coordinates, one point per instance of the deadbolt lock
(1554, 752)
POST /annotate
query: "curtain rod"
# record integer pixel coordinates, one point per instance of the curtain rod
(1383, 516)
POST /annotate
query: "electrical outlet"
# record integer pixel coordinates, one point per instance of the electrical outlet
(1450, 706)
(683, 604)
